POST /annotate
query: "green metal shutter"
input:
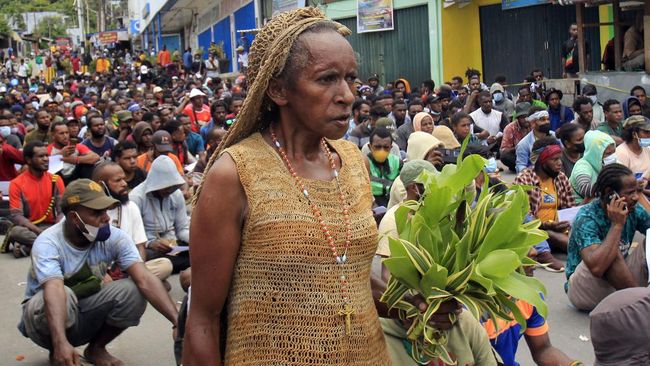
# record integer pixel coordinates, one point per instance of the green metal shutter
(402, 52)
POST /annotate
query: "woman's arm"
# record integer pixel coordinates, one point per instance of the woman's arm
(213, 255)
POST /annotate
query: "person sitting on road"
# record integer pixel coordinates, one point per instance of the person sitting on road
(164, 215)
(34, 200)
(126, 216)
(602, 258)
(514, 132)
(162, 145)
(540, 127)
(600, 151)
(78, 159)
(65, 304)
(551, 192)
(125, 154)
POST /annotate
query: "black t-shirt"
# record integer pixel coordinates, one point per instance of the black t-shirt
(138, 178)
(570, 54)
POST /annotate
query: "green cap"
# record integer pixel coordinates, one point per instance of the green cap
(86, 193)
(123, 116)
(412, 170)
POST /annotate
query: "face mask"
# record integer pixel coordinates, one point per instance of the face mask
(5, 131)
(380, 155)
(94, 233)
(594, 99)
(610, 159)
(491, 165)
(545, 128)
(35, 105)
(580, 148)
(498, 97)
(644, 142)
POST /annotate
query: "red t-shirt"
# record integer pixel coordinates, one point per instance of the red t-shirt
(32, 196)
(203, 116)
(10, 156)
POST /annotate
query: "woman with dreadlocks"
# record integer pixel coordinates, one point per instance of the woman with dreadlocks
(289, 260)
(601, 257)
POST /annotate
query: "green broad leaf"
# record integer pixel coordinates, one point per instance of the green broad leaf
(428, 241)
(402, 220)
(409, 310)
(396, 247)
(420, 258)
(437, 294)
(438, 205)
(473, 305)
(463, 252)
(416, 329)
(498, 264)
(458, 281)
(459, 160)
(500, 233)
(477, 222)
(523, 288)
(434, 279)
(394, 293)
(464, 174)
(514, 311)
(404, 271)
(483, 282)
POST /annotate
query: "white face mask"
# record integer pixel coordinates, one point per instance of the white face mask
(94, 233)
(610, 159)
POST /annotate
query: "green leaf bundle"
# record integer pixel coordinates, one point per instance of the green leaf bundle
(450, 248)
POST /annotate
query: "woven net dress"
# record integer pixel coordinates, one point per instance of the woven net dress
(285, 294)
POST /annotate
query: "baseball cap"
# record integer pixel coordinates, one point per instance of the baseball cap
(496, 87)
(86, 193)
(196, 93)
(144, 69)
(637, 121)
(413, 168)
(522, 109)
(124, 116)
(162, 140)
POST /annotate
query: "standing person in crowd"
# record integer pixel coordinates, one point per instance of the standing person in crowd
(164, 215)
(570, 54)
(600, 151)
(514, 132)
(383, 166)
(591, 92)
(302, 154)
(634, 152)
(65, 304)
(633, 57)
(242, 59)
(34, 200)
(212, 66)
(584, 113)
(164, 56)
(126, 216)
(551, 192)
(572, 137)
(500, 102)
(602, 258)
(613, 125)
(540, 127)
(558, 113)
(187, 60)
(125, 154)
(42, 131)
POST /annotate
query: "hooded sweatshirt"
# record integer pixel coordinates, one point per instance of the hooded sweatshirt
(626, 106)
(163, 218)
(586, 169)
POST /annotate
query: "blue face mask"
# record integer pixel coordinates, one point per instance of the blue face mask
(498, 97)
(491, 165)
(644, 142)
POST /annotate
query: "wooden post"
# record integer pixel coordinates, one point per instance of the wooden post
(582, 54)
(618, 40)
(646, 36)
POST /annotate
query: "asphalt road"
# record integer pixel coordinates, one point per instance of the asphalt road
(150, 343)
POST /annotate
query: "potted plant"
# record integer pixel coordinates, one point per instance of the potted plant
(217, 50)
(453, 245)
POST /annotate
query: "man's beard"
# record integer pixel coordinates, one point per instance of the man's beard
(122, 198)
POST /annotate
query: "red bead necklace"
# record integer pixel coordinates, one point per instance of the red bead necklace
(347, 310)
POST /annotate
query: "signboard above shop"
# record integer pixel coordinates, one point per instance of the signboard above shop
(374, 16)
(513, 4)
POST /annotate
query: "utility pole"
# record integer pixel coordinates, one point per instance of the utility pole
(80, 21)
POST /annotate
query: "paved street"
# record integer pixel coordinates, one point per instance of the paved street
(150, 342)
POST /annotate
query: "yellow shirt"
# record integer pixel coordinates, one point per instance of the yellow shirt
(548, 207)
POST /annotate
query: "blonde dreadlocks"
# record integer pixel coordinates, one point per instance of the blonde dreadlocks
(268, 59)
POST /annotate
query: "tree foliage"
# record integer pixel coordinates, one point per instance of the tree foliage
(13, 9)
(51, 27)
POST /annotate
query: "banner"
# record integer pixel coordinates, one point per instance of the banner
(280, 6)
(374, 15)
(513, 4)
(106, 38)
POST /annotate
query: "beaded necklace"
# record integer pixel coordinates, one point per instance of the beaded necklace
(347, 310)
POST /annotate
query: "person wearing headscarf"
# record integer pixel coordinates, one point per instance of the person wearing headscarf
(600, 151)
(423, 122)
(403, 86)
(299, 288)
(142, 135)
